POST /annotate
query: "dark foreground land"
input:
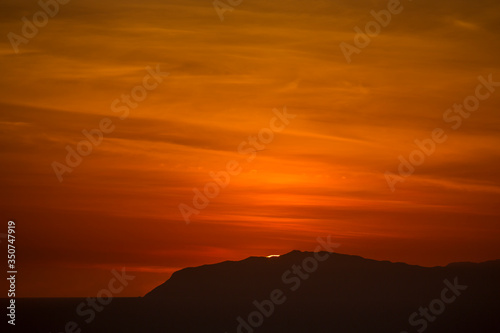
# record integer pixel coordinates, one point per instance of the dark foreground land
(296, 292)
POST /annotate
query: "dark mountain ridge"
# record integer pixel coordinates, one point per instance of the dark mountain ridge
(342, 293)
(315, 292)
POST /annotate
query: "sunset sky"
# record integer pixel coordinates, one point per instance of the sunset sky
(324, 174)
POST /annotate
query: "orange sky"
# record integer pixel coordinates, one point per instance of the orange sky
(322, 175)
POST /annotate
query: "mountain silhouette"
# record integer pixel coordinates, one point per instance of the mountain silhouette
(312, 292)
